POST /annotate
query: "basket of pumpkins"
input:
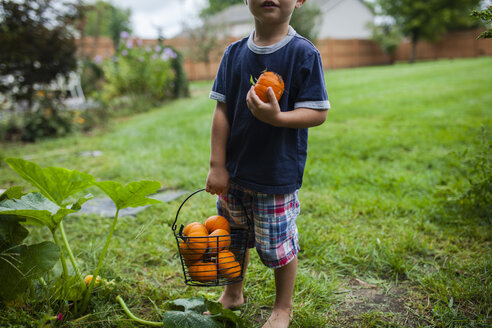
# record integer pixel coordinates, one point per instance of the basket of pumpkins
(210, 253)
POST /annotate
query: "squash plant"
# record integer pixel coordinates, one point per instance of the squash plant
(48, 208)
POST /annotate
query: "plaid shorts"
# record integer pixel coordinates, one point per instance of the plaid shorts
(271, 218)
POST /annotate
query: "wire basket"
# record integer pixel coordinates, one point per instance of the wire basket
(216, 259)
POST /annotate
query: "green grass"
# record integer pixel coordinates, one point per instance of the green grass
(380, 202)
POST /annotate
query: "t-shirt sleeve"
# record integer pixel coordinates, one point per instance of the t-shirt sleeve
(312, 92)
(219, 87)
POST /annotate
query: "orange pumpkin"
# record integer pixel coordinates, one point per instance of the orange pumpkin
(197, 240)
(232, 272)
(190, 256)
(269, 79)
(193, 227)
(217, 222)
(203, 272)
(227, 265)
(219, 239)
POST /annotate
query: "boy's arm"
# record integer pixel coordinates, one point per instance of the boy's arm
(218, 177)
(270, 112)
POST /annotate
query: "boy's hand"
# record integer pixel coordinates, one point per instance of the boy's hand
(266, 112)
(217, 181)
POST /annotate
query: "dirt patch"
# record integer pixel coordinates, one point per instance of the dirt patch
(368, 305)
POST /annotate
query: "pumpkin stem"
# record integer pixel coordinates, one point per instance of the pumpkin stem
(251, 80)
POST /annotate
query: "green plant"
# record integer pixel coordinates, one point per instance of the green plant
(47, 122)
(92, 77)
(132, 195)
(388, 37)
(138, 71)
(181, 86)
(306, 20)
(189, 313)
(486, 16)
(47, 209)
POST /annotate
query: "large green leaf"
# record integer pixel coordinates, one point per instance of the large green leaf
(35, 209)
(38, 259)
(196, 304)
(190, 314)
(11, 232)
(20, 264)
(55, 183)
(132, 195)
(187, 319)
(11, 193)
(227, 316)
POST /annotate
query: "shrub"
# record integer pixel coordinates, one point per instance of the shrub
(47, 122)
(92, 77)
(139, 77)
(49, 118)
(152, 73)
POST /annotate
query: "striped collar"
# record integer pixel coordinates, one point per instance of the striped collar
(265, 50)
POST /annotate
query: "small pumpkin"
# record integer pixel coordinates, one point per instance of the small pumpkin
(190, 256)
(203, 272)
(217, 222)
(197, 237)
(219, 239)
(227, 265)
(269, 79)
(232, 272)
(193, 227)
(88, 279)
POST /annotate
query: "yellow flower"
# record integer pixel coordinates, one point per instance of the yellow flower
(80, 120)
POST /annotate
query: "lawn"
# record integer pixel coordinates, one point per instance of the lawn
(396, 218)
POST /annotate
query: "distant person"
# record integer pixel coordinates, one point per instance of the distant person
(259, 149)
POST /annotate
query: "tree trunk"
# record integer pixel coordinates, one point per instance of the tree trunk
(415, 40)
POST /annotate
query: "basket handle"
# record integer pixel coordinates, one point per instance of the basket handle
(184, 201)
(174, 226)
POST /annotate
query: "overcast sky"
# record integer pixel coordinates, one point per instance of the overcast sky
(149, 15)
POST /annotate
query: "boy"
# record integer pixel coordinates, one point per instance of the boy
(258, 149)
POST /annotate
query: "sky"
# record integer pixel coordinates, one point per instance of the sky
(169, 15)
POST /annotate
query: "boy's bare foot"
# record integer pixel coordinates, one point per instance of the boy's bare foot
(230, 301)
(280, 318)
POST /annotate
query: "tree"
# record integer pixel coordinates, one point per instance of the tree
(37, 45)
(216, 6)
(204, 42)
(486, 16)
(305, 21)
(427, 19)
(105, 19)
(388, 36)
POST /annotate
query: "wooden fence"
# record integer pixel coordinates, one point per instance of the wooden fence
(335, 53)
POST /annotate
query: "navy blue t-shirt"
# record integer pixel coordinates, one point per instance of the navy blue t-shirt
(259, 156)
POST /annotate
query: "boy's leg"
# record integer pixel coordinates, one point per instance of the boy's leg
(276, 240)
(233, 294)
(285, 278)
